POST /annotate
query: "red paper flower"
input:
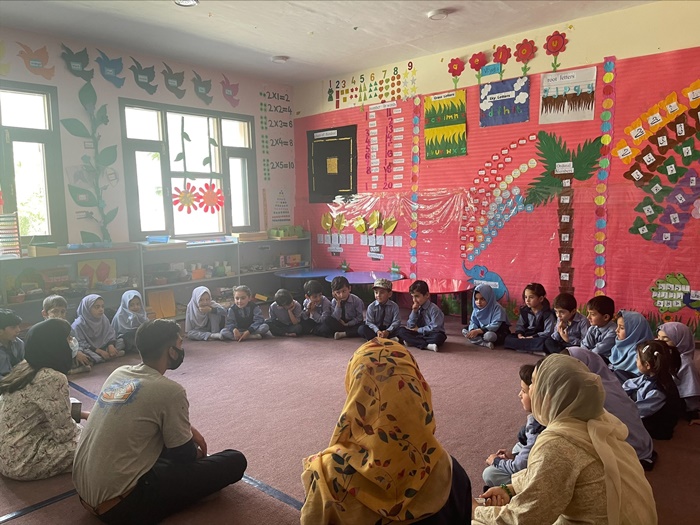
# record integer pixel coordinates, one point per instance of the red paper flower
(211, 198)
(186, 198)
(525, 51)
(556, 43)
(477, 61)
(502, 55)
(456, 67)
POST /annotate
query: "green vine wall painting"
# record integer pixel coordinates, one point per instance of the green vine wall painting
(95, 166)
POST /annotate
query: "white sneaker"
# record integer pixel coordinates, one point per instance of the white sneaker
(216, 336)
(394, 339)
(465, 332)
(539, 354)
(120, 353)
(80, 369)
(255, 336)
(432, 347)
(488, 345)
(340, 335)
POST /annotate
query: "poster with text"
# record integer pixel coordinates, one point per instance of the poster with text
(445, 123)
(568, 96)
(505, 102)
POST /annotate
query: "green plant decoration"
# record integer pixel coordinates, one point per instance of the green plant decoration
(95, 165)
(550, 184)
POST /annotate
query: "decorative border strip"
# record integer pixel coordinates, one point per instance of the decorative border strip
(415, 172)
(607, 117)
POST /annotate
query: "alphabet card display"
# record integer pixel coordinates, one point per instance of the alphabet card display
(568, 96)
(505, 102)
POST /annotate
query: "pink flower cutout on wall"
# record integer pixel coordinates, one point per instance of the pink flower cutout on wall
(555, 44)
(456, 68)
(186, 198)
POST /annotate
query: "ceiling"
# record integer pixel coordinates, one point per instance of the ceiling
(323, 38)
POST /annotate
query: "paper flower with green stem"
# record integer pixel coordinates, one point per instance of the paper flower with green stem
(555, 44)
(476, 62)
(456, 68)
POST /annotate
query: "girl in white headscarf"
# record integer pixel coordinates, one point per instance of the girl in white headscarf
(204, 318)
(581, 469)
(128, 318)
(95, 335)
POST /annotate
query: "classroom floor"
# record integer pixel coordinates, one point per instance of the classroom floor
(277, 401)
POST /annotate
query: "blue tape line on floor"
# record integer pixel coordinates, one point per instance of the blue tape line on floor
(271, 491)
(36, 506)
(82, 390)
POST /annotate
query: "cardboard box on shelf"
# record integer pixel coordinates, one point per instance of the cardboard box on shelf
(44, 249)
(250, 236)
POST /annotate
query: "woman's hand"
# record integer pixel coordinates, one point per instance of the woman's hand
(496, 497)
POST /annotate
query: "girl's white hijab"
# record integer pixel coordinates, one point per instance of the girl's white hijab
(568, 399)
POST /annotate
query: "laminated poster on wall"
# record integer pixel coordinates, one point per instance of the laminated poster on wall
(504, 102)
(567, 96)
(445, 123)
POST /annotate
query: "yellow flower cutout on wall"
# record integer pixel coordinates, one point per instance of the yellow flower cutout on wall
(624, 152)
(672, 107)
(637, 132)
(654, 119)
(692, 93)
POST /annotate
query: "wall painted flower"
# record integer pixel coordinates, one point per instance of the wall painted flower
(186, 198)
(476, 62)
(211, 198)
(501, 56)
(524, 52)
(555, 44)
(456, 68)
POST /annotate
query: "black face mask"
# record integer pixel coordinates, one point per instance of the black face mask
(174, 365)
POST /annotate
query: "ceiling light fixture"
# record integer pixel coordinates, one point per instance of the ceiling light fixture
(186, 3)
(279, 59)
(438, 14)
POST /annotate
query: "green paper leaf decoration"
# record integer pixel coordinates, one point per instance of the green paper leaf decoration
(110, 215)
(179, 157)
(101, 116)
(88, 97)
(586, 158)
(82, 197)
(639, 227)
(647, 206)
(87, 237)
(107, 156)
(186, 136)
(657, 190)
(672, 170)
(552, 149)
(213, 142)
(76, 128)
(206, 161)
(543, 189)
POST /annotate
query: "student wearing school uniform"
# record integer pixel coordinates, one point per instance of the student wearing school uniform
(601, 336)
(316, 310)
(383, 317)
(348, 310)
(426, 323)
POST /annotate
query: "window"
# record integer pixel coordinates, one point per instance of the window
(188, 172)
(31, 176)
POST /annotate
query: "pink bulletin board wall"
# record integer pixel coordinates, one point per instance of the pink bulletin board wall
(453, 225)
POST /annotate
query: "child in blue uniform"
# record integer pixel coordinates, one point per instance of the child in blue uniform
(571, 325)
(654, 391)
(601, 336)
(426, 323)
(536, 323)
(488, 325)
(244, 319)
(348, 310)
(632, 329)
(316, 310)
(383, 317)
(285, 315)
(204, 318)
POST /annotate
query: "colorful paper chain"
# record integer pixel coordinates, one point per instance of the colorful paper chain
(601, 211)
(415, 170)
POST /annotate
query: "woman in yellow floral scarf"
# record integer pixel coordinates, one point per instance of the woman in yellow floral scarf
(383, 464)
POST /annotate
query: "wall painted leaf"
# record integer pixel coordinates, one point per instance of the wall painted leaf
(76, 128)
(107, 156)
(88, 97)
(110, 215)
(89, 237)
(101, 115)
(82, 197)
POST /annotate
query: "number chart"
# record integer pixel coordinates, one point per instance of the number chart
(387, 135)
(277, 135)
(394, 83)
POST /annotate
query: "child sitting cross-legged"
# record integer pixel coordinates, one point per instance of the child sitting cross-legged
(503, 464)
(245, 319)
(536, 323)
(687, 379)
(95, 334)
(426, 323)
(204, 318)
(130, 315)
(383, 318)
(285, 315)
(316, 310)
(488, 325)
(56, 307)
(571, 325)
(348, 310)
(601, 336)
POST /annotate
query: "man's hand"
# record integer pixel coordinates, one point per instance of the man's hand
(200, 442)
(84, 414)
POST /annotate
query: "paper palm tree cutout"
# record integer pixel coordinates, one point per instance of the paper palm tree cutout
(555, 182)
